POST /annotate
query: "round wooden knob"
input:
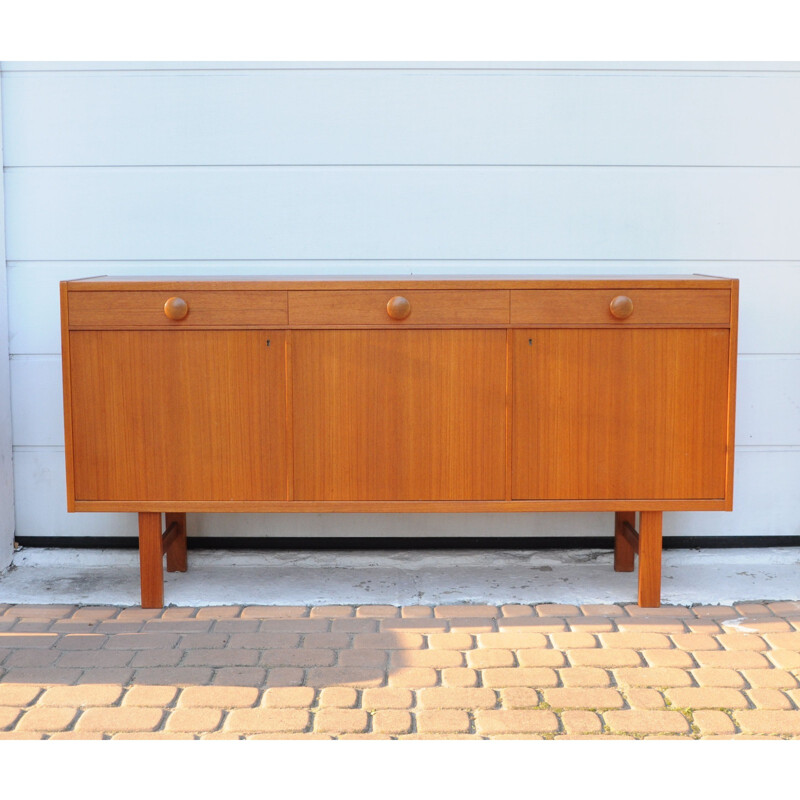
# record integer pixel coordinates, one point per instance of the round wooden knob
(398, 308)
(176, 308)
(621, 307)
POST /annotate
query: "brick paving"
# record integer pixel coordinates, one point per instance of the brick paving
(383, 672)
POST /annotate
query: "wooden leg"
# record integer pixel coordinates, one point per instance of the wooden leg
(650, 559)
(623, 549)
(176, 551)
(151, 570)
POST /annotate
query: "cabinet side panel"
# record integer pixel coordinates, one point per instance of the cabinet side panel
(66, 377)
(732, 367)
(399, 415)
(605, 414)
(188, 415)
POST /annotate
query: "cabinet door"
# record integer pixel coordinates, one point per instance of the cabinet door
(619, 414)
(178, 415)
(399, 414)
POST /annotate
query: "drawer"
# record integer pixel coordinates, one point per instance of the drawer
(146, 309)
(398, 307)
(632, 306)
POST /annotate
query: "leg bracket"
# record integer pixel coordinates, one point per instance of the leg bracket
(168, 537)
(631, 535)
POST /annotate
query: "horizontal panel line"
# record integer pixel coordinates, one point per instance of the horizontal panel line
(768, 448)
(403, 165)
(780, 355)
(753, 448)
(769, 355)
(494, 67)
(37, 448)
(414, 260)
(57, 356)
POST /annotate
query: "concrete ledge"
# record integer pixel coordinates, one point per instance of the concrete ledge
(402, 577)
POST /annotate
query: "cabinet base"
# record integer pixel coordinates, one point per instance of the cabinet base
(154, 544)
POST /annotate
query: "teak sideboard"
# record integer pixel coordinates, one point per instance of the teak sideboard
(399, 395)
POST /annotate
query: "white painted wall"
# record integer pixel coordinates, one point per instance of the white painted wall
(180, 169)
(6, 468)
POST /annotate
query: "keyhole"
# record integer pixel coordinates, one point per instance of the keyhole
(267, 342)
(530, 341)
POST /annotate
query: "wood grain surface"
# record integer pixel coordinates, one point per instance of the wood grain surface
(650, 541)
(620, 414)
(113, 309)
(650, 306)
(399, 415)
(188, 415)
(427, 307)
(151, 560)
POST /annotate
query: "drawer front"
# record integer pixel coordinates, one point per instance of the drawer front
(162, 309)
(630, 306)
(401, 307)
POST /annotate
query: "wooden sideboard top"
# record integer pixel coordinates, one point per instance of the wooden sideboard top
(333, 282)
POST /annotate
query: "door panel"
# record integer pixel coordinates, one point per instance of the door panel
(619, 414)
(399, 414)
(179, 415)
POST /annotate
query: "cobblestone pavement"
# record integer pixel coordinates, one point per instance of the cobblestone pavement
(460, 671)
